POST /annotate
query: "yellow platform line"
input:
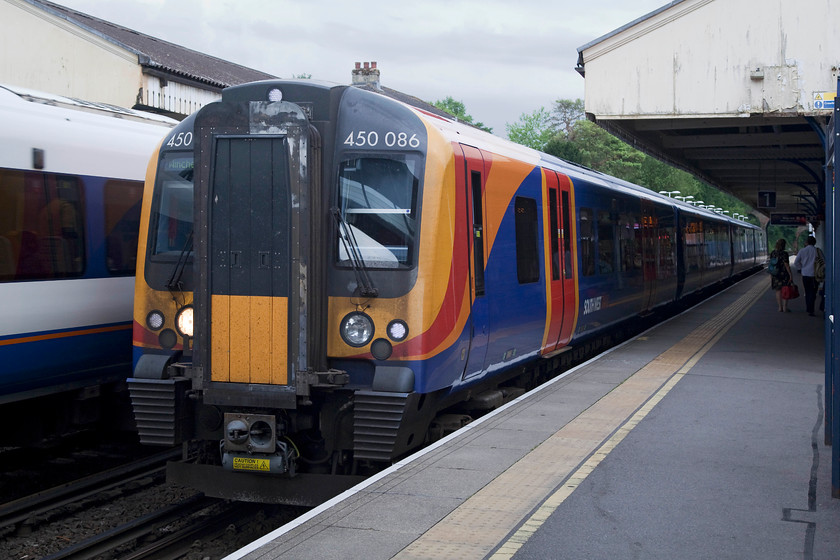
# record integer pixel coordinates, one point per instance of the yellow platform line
(561, 463)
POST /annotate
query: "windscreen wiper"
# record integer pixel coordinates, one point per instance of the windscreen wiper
(366, 288)
(174, 283)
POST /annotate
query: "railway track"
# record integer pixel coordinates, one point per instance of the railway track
(130, 512)
(37, 507)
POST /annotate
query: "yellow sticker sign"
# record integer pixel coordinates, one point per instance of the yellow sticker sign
(251, 464)
(824, 99)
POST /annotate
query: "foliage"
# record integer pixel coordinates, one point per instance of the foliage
(459, 111)
(302, 77)
(533, 129)
(565, 133)
(565, 114)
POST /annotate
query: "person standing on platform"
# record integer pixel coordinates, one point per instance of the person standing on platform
(781, 276)
(804, 263)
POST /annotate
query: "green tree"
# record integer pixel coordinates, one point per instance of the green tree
(565, 113)
(564, 149)
(459, 111)
(532, 129)
(603, 152)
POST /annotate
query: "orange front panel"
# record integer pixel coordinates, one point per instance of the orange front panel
(249, 339)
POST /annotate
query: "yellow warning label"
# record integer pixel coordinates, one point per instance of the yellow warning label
(250, 464)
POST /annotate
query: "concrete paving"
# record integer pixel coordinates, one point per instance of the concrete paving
(679, 444)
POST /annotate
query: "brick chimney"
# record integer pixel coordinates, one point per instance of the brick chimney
(367, 76)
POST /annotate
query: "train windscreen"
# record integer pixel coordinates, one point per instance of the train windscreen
(378, 200)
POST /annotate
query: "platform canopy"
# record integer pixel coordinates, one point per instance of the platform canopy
(737, 92)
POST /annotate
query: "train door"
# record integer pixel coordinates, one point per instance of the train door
(257, 275)
(249, 261)
(650, 253)
(561, 283)
(478, 325)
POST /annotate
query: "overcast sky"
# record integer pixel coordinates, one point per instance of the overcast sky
(501, 58)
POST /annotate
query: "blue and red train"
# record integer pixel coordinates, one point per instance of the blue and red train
(325, 272)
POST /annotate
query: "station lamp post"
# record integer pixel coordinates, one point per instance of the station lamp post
(669, 193)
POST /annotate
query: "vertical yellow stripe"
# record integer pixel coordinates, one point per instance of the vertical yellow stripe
(260, 339)
(240, 347)
(220, 338)
(279, 341)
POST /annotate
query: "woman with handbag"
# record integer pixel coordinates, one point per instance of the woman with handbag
(780, 275)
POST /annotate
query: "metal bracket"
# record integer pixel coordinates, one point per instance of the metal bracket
(330, 379)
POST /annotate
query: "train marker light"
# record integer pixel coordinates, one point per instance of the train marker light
(356, 329)
(275, 95)
(154, 320)
(184, 321)
(397, 330)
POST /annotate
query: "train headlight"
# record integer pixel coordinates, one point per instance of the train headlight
(184, 321)
(356, 329)
(397, 330)
(155, 320)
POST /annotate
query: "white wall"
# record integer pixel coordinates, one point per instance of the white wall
(46, 53)
(696, 58)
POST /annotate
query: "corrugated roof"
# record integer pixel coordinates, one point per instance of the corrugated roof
(157, 54)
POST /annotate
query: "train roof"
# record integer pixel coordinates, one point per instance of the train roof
(56, 134)
(458, 131)
(102, 109)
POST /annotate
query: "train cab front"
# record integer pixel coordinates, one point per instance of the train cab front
(299, 260)
(163, 307)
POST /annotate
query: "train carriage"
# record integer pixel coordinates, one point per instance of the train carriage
(354, 270)
(71, 177)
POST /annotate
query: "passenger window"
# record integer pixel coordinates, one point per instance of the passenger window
(631, 255)
(554, 234)
(606, 243)
(122, 225)
(42, 232)
(587, 242)
(567, 237)
(527, 261)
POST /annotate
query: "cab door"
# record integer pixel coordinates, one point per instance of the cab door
(478, 324)
(253, 251)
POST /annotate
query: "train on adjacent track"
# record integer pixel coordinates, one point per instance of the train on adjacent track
(325, 273)
(71, 182)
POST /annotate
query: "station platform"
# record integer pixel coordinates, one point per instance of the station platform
(701, 438)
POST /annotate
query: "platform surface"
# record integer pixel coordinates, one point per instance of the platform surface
(702, 438)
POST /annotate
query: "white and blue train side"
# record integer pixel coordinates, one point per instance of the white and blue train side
(71, 181)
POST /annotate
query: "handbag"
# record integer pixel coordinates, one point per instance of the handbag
(790, 291)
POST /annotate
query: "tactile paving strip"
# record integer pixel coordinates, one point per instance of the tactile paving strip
(525, 495)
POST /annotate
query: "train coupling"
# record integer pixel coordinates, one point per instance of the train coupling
(251, 445)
